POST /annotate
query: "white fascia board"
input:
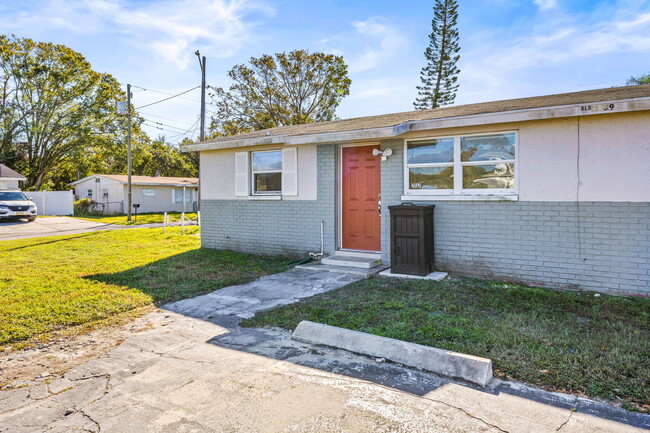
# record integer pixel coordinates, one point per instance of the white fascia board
(92, 176)
(588, 109)
(186, 185)
(531, 114)
(83, 179)
(258, 141)
(13, 178)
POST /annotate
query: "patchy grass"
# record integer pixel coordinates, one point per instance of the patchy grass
(57, 283)
(594, 345)
(143, 218)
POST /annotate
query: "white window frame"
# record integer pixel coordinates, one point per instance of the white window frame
(89, 193)
(458, 192)
(184, 198)
(253, 173)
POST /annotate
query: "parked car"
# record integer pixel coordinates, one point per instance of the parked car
(15, 204)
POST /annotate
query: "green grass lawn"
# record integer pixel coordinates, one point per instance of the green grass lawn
(54, 283)
(145, 218)
(597, 346)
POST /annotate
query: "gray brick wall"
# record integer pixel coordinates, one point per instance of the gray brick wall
(288, 227)
(603, 246)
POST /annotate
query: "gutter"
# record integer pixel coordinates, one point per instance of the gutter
(564, 111)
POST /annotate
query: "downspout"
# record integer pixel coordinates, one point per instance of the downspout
(322, 242)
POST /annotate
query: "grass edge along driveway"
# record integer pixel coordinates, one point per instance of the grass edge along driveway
(143, 218)
(59, 283)
(582, 343)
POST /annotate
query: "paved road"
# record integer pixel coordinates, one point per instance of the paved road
(54, 226)
(193, 370)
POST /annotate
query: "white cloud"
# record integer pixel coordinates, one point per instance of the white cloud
(545, 5)
(565, 53)
(170, 28)
(383, 42)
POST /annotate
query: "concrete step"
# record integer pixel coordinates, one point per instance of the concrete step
(366, 254)
(351, 261)
(342, 269)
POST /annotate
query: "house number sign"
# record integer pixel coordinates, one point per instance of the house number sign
(597, 107)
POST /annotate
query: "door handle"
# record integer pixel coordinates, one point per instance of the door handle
(379, 207)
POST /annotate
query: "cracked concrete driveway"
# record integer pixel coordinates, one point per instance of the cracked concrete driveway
(200, 372)
(50, 226)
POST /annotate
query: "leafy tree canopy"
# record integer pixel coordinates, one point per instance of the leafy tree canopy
(55, 106)
(284, 89)
(58, 120)
(641, 79)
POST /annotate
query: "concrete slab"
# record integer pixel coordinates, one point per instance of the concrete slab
(268, 292)
(342, 269)
(56, 226)
(434, 276)
(472, 369)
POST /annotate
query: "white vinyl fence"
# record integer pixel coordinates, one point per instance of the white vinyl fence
(52, 202)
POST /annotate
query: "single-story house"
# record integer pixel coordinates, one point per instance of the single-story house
(551, 190)
(152, 193)
(10, 178)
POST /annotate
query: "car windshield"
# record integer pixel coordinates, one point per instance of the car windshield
(12, 196)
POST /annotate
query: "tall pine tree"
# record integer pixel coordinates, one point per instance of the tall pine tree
(440, 75)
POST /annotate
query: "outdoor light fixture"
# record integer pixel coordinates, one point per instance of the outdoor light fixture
(384, 155)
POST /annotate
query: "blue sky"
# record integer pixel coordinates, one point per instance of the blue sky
(509, 48)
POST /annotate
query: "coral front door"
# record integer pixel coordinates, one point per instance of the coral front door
(361, 188)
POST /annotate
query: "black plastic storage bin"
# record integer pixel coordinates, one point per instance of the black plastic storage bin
(411, 239)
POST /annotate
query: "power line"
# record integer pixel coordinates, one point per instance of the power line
(162, 129)
(164, 124)
(195, 126)
(165, 93)
(167, 99)
(164, 118)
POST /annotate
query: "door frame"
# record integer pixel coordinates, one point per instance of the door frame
(339, 195)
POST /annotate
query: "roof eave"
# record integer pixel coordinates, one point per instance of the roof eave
(529, 114)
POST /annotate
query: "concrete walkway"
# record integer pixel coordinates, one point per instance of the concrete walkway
(193, 369)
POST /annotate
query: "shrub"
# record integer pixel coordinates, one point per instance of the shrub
(85, 206)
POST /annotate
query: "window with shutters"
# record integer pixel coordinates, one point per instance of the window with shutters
(266, 168)
(270, 173)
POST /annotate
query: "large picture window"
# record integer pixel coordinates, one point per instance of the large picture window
(267, 172)
(461, 165)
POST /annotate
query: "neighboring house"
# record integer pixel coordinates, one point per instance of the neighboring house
(9, 178)
(152, 193)
(551, 190)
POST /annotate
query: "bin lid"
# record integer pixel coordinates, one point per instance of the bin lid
(411, 206)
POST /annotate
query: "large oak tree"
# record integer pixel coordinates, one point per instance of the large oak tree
(284, 89)
(55, 108)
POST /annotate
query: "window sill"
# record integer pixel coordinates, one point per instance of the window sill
(265, 197)
(463, 197)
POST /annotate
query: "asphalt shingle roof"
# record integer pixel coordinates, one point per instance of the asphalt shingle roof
(387, 120)
(7, 173)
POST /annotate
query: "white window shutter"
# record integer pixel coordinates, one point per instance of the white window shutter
(290, 171)
(241, 174)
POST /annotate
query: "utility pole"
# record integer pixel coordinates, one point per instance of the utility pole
(128, 154)
(202, 65)
(202, 131)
